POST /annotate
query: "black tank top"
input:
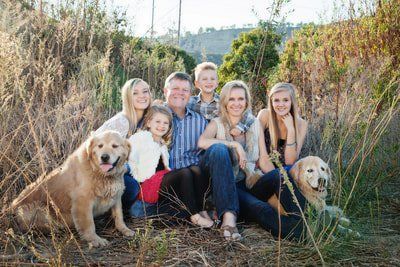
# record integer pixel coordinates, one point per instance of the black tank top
(280, 148)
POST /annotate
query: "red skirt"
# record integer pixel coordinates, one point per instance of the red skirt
(149, 188)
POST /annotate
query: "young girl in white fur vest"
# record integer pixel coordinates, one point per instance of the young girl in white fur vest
(149, 158)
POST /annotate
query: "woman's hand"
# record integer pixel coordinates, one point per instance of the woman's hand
(265, 164)
(241, 154)
(288, 121)
(235, 132)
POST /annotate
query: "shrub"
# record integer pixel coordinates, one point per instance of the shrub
(252, 57)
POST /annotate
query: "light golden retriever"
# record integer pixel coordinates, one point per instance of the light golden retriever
(88, 184)
(312, 176)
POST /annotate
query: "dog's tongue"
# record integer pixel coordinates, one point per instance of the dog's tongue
(106, 167)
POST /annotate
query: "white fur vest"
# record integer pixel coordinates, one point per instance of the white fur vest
(252, 148)
(145, 155)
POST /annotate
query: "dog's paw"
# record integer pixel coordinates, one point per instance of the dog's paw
(344, 221)
(127, 232)
(348, 232)
(97, 241)
(333, 211)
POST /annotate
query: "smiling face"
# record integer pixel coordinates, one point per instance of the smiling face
(158, 125)
(236, 102)
(141, 96)
(177, 94)
(108, 151)
(207, 81)
(281, 102)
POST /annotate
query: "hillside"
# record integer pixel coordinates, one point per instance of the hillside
(215, 43)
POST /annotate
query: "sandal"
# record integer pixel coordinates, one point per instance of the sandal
(230, 233)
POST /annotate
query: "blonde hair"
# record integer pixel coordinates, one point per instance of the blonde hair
(128, 108)
(224, 98)
(150, 114)
(272, 118)
(204, 66)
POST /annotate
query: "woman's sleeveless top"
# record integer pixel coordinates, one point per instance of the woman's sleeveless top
(280, 148)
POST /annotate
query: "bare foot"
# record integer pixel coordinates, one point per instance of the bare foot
(201, 221)
(204, 214)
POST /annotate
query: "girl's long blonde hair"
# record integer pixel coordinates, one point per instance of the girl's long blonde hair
(272, 118)
(150, 114)
(128, 108)
(224, 98)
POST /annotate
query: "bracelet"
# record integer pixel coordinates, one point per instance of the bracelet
(292, 144)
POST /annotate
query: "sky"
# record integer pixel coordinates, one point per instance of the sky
(214, 13)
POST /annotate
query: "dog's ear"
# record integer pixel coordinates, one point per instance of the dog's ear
(328, 170)
(89, 146)
(295, 170)
(128, 145)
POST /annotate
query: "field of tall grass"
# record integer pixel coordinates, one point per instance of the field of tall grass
(60, 73)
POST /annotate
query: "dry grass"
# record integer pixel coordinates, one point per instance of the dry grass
(59, 80)
(156, 242)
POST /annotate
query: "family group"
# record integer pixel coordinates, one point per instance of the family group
(211, 147)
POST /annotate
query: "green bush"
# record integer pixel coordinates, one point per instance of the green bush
(252, 58)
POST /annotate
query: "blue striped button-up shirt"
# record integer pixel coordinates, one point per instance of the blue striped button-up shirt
(186, 132)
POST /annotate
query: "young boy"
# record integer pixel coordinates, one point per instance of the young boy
(207, 101)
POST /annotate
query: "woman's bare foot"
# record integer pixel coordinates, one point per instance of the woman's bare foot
(204, 214)
(197, 219)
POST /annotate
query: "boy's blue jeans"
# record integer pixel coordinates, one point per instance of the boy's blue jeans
(216, 162)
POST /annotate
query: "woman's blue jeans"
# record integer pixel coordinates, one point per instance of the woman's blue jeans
(254, 206)
(131, 192)
(216, 162)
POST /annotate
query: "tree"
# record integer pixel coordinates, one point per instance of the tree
(252, 58)
(210, 29)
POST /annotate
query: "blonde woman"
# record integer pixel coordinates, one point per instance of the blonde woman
(136, 100)
(229, 175)
(228, 170)
(284, 130)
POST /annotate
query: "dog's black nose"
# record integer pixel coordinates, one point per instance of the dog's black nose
(321, 181)
(105, 157)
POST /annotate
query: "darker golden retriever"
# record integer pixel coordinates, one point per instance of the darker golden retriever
(88, 184)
